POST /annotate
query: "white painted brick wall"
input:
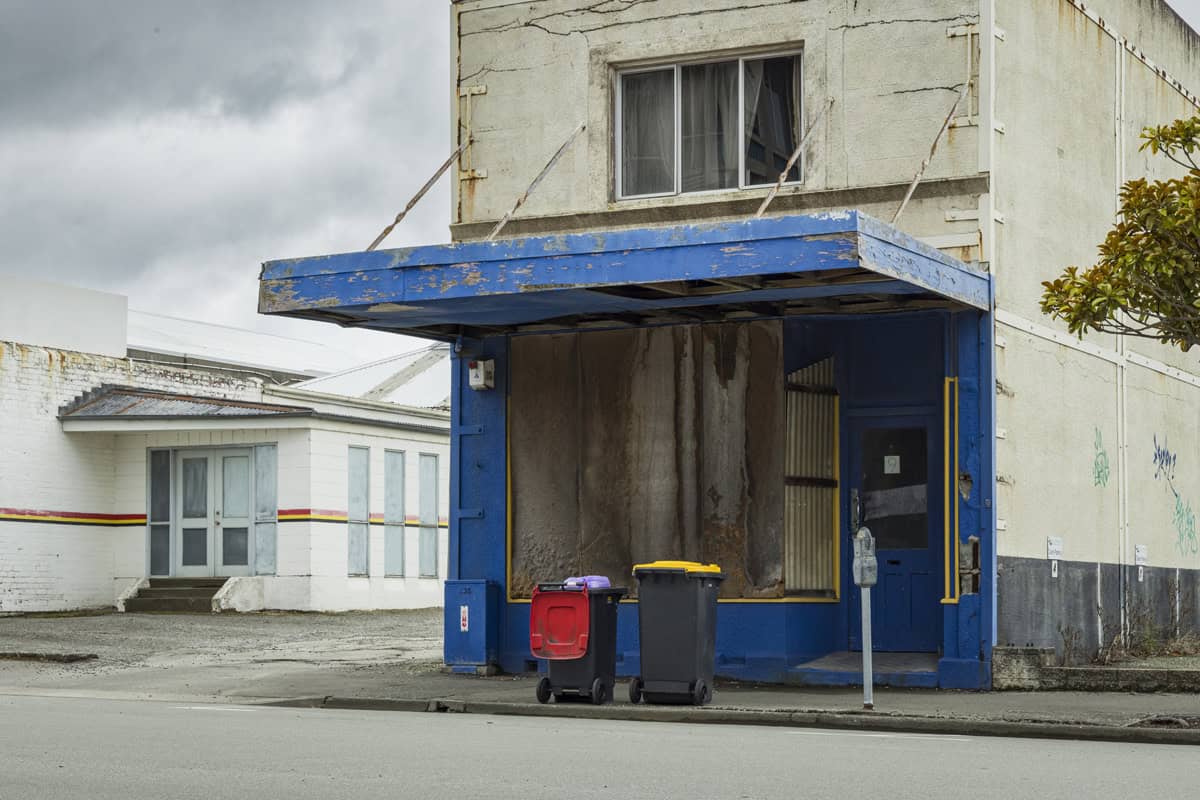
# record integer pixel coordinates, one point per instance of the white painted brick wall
(46, 567)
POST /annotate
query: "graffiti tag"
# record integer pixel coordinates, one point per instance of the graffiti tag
(1185, 527)
(1183, 519)
(1164, 461)
(1100, 463)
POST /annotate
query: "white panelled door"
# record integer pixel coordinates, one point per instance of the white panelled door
(215, 523)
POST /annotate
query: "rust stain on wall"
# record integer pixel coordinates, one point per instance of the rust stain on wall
(652, 443)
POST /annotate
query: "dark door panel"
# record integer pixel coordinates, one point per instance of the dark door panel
(891, 467)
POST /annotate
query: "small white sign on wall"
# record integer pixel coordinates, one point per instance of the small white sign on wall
(1054, 547)
(464, 618)
(891, 465)
(1141, 555)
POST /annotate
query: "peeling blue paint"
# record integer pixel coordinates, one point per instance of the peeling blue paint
(438, 278)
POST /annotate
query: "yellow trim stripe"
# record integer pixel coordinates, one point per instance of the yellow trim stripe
(320, 515)
(508, 502)
(949, 491)
(61, 518)
(837, 507)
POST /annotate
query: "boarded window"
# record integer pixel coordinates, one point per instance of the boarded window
(393, 512)
(429, 515)
(811, 481)
(629, 446)
(358, 533)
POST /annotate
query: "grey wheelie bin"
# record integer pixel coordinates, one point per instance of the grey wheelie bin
(677, 624)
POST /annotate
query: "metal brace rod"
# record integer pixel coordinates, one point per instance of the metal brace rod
(912, 187)
(421, 193)
(791, 162)
(521, 200)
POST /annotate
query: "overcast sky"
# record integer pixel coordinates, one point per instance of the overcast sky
(165, 149)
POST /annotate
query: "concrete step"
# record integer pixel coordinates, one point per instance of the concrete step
(171, 604)
(179, 583)
(183, 592)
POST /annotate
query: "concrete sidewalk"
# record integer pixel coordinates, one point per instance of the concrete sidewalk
(392, 661)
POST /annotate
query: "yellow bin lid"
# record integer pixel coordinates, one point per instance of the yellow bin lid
(688, 567)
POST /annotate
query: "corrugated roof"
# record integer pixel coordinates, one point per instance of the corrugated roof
(128, 402)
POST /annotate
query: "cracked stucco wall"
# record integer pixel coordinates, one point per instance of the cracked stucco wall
(1084, 428)
(891, 68)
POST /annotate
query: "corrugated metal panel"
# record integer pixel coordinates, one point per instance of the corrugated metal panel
(811, 487)
(122, 401)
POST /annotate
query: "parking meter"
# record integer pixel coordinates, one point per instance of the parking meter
(866, 566)
(865, 569)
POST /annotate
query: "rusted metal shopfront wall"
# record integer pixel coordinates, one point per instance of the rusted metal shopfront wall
(640, 444)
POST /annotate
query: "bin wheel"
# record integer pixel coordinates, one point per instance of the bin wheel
(701, 694)
(599, 692)
(635, 691)
(543, 690)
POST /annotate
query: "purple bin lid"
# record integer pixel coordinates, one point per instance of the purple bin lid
(590, 581)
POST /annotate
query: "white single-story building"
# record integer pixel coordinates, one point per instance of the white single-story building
(182, 477)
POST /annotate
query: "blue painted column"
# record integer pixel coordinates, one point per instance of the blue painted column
(966, 663)
(478, 508)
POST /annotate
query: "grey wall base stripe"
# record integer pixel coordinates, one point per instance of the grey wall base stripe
(1079, 611)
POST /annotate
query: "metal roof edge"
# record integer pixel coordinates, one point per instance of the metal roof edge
(566, 244)
(356, 402)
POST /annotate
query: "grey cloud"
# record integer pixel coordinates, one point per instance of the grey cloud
(63, 60)
(169, 164)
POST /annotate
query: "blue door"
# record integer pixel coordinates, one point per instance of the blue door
(895, 473)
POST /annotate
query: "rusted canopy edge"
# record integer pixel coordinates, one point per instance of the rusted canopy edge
(540, 278)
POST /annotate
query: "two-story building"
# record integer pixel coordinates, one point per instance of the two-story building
(683, 369)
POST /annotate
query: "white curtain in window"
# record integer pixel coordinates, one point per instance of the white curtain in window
(648, 133)
(708, 97)
(771, 118)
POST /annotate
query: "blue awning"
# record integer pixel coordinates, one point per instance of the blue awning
(834, 263)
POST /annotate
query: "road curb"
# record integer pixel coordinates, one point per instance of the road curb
(836, 720)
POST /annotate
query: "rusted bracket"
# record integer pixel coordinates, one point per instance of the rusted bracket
(421, 193)
(791, 162)
(546, 169)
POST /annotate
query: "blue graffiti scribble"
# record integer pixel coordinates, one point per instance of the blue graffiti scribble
(1164, 461)
(1185, 528)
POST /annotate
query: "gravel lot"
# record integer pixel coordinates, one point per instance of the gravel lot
(406, 639)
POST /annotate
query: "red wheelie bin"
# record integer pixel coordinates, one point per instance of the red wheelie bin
(573, 626)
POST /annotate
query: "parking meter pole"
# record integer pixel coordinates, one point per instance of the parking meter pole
(866, 572)
(868, 671)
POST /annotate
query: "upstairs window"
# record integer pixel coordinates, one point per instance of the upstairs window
(707, 126)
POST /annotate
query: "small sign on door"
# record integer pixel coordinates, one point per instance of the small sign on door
(891, 465)
(464, 618)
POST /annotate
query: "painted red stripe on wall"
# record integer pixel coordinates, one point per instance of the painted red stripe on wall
(69, 517)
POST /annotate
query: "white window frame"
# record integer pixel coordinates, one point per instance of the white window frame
(675, 67)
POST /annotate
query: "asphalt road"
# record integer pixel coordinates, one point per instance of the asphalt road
(55, 747)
